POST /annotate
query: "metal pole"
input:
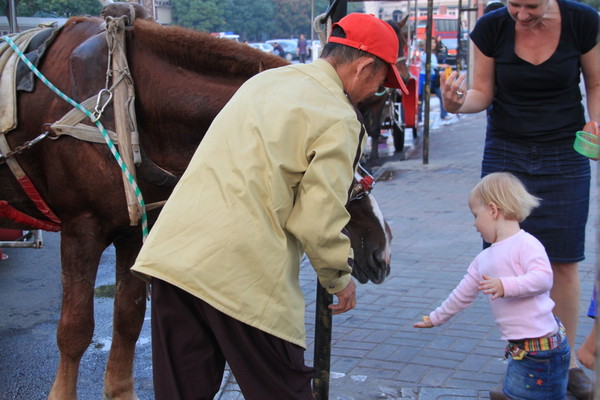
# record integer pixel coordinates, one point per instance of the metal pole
(322, 357)
(323, 319)
(427, 89)
(12, 16)
(596, 395)
(312, 18)
(459, 49)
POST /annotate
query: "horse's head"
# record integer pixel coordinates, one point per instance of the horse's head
(370, 235)
(401, 29)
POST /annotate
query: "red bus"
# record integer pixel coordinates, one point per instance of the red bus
(444, 25)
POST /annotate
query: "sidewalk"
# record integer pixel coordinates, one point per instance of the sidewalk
(376, 353)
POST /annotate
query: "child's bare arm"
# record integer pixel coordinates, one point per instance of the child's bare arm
(492, 286)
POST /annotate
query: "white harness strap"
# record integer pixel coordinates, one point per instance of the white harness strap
(71, 125)
(124, 107)
(122, 94)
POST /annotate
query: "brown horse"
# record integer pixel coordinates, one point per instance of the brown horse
(182, 80)
(374, 106)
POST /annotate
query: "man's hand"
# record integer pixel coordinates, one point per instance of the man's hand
(346, 298)
(492, 286)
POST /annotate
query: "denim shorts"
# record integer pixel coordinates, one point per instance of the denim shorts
(561, 178)
(541, 375)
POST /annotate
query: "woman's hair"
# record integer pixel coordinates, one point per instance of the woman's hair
(508, 193)
(493, 5)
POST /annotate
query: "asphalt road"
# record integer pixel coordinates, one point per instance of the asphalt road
(30, 294)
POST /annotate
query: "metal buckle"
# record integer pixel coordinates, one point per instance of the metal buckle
(99, 109)
(363, 187)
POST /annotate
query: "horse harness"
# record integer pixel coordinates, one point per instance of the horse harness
(9, 64)
(122, 94)
(363, 186)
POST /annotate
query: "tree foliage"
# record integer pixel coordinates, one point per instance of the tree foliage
(54, 8)
(253, 20)
(593, 3)
(202, 15)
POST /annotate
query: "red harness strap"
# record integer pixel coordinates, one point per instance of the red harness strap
(9, 212)
(34, 195)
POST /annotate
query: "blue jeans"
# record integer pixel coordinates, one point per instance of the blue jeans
(541, 375)
(436, 91)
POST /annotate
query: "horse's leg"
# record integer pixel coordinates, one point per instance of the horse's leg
(374, 133)
(398, 135)
(376, 120)
(375, 136)
(397, 122)
(129, 310)
(81, 249)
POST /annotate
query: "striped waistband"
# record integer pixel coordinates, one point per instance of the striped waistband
(541, 344)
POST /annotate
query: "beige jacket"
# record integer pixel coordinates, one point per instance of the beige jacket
(268, 182)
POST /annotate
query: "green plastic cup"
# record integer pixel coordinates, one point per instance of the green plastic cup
(587, 144)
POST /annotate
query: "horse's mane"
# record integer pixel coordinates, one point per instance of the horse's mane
(199, 50)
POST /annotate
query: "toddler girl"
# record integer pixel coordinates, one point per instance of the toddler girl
(515, 274)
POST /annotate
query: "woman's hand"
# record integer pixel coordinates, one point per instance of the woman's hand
(592, 127)
(454, 91)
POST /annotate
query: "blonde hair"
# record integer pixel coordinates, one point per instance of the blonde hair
(508, 193)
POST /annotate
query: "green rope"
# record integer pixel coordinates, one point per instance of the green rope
(109, 142)
(383, 92)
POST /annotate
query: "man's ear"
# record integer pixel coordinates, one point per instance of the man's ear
(364, 65)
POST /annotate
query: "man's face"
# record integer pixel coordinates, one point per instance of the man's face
(367, 81)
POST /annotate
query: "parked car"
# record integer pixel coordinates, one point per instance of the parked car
(289, 47)
(266, 47)
(452, 46)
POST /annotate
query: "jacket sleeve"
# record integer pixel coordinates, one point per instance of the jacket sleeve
(319, 214)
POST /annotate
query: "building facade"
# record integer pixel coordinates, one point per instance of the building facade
(465, 10)
(159, 9)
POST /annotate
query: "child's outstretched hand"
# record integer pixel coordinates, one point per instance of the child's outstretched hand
(426, 323)
(492, 286)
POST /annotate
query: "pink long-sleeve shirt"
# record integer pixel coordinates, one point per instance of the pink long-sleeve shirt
(522, 264)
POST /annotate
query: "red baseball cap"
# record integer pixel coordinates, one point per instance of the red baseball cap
(368, 33)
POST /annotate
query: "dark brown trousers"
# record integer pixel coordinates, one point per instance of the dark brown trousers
(191, 341)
